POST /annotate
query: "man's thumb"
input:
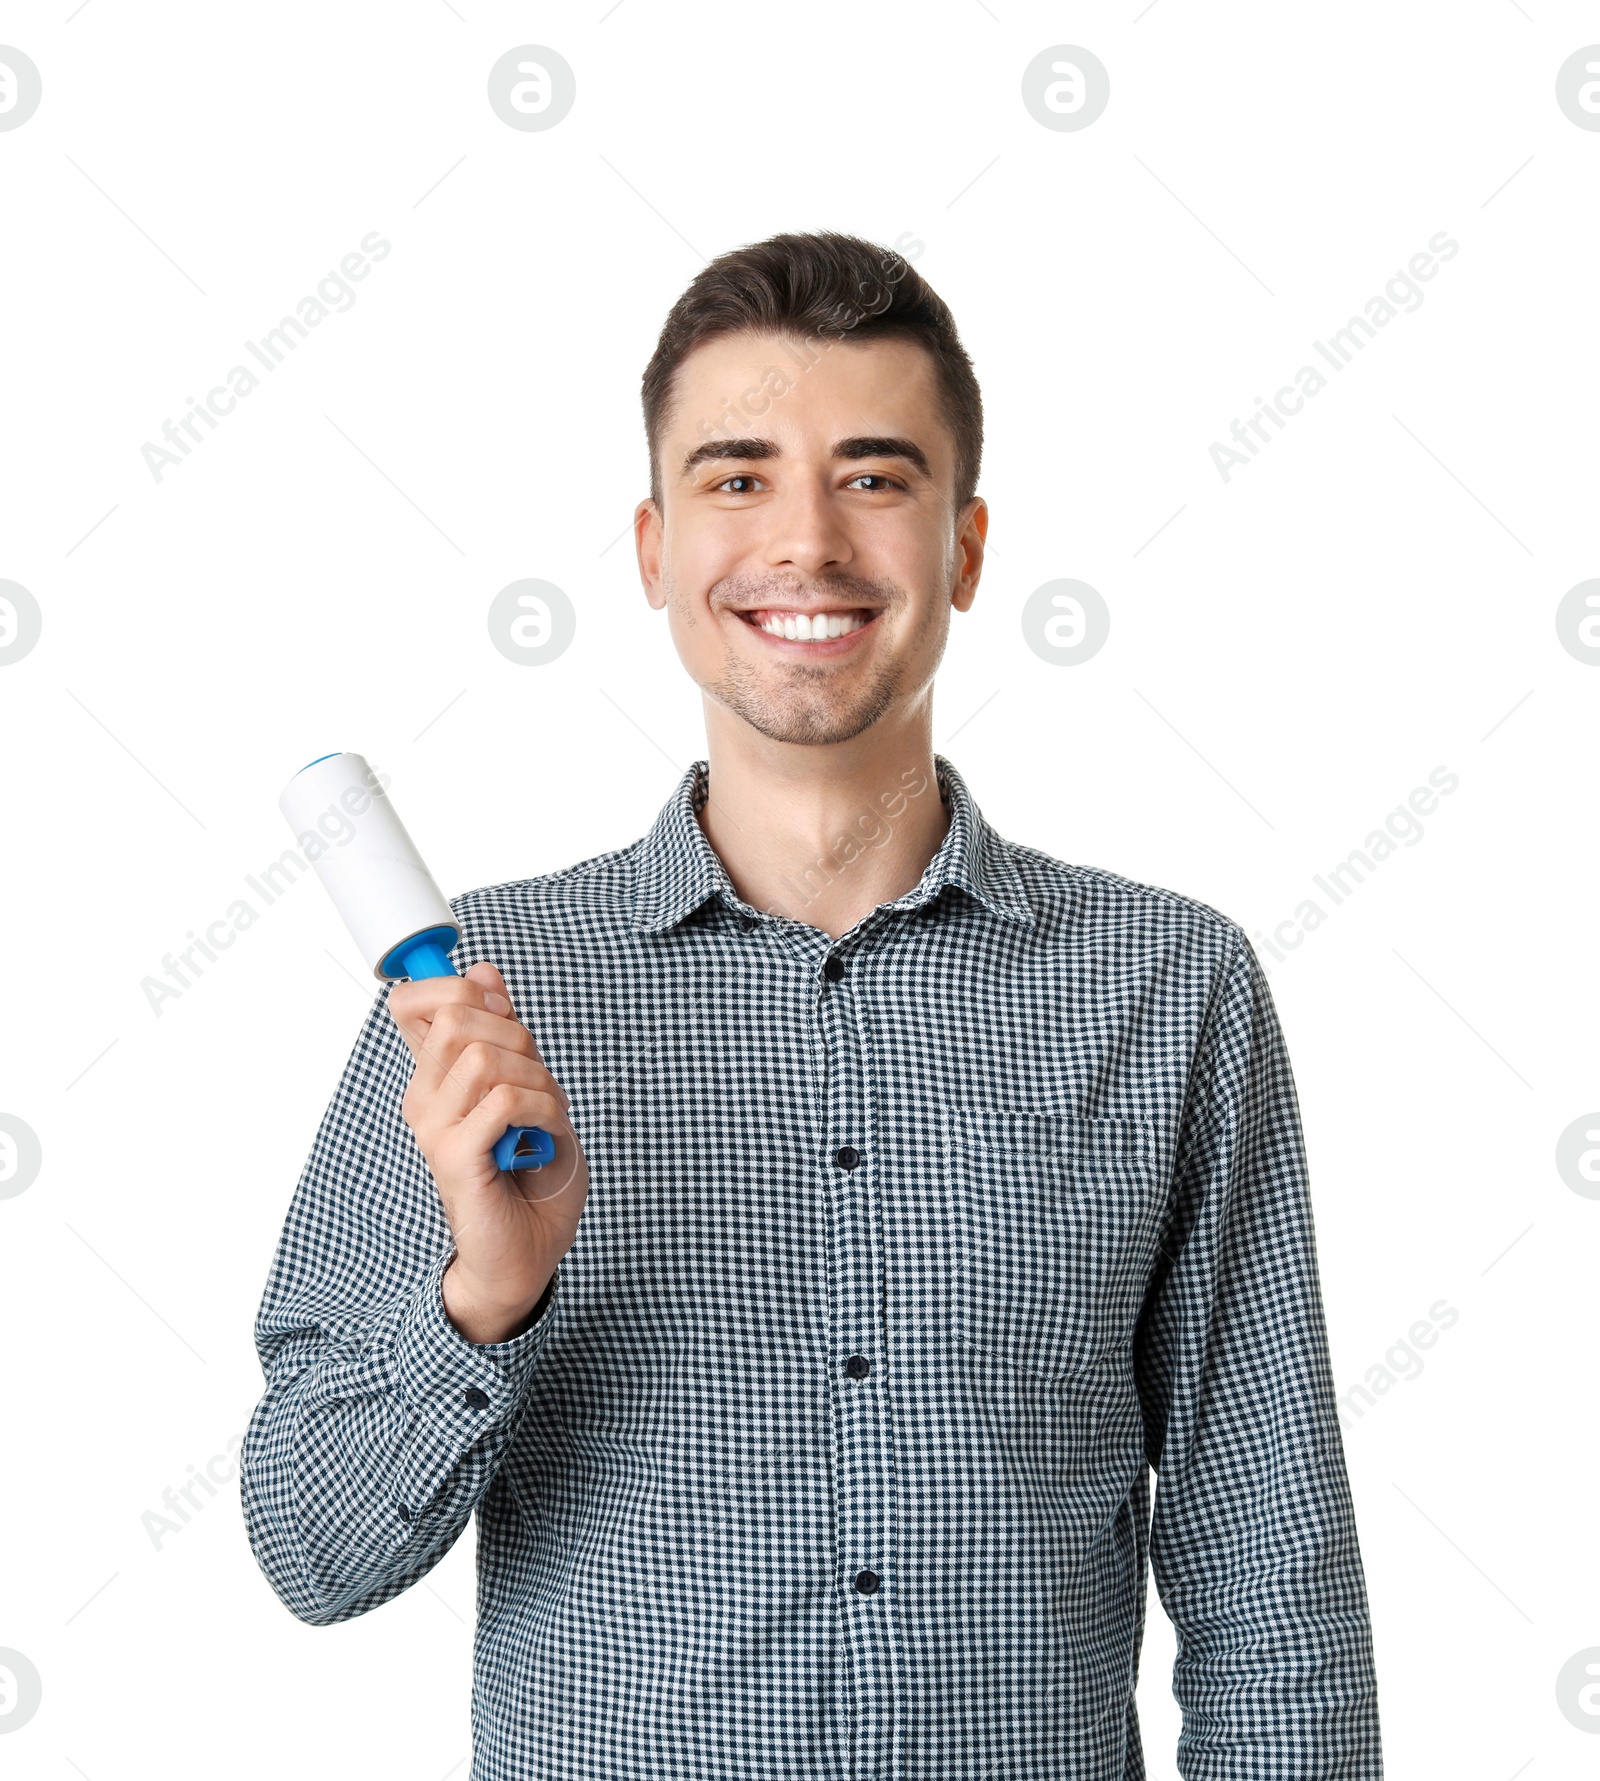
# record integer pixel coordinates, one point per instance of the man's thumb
(488, 975)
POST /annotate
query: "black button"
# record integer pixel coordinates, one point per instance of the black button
(477, 1400)
(847, 1156)
(404, 1510)
(833, 967)
(858, 1366)
(866, 1581)
(747, 922)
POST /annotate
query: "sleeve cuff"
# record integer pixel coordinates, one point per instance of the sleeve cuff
(438, 1372)
(461, 1399)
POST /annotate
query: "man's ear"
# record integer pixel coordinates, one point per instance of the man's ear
(970, 536)
(647, 547)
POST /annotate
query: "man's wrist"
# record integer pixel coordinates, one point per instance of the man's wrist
(480, 1321)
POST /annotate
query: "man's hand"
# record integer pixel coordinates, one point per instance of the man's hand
(478, 1070)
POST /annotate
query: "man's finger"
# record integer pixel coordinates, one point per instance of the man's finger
(489, 977)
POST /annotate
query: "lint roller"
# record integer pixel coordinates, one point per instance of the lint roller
(353, 838)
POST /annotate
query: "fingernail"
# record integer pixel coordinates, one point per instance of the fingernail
(495, 1002)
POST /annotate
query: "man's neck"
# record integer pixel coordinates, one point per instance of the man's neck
(823, 835)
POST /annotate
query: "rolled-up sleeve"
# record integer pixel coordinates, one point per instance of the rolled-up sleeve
(1253, 1538)
(381, 1425)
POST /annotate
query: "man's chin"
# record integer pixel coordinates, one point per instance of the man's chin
(810, 726)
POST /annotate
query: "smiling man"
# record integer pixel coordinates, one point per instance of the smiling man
(917, 1196)
(809, 569)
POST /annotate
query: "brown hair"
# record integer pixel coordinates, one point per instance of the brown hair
(821, 287)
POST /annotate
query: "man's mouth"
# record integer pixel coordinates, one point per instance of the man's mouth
(803, 627)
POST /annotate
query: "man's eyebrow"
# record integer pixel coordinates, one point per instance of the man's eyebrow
(873, 445)
(862, 445)
(741, 450)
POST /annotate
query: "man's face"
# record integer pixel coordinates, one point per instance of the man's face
(807, 552)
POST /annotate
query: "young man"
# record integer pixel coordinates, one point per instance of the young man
(917, 1195)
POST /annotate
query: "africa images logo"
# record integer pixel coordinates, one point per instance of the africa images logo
(333, 296)
(1402, 295)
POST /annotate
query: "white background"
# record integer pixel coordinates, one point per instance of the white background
(1374, 596)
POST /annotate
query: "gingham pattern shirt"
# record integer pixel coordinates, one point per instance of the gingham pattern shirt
(908, 1256)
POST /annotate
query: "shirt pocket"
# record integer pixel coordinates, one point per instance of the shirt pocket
(1051, 1222)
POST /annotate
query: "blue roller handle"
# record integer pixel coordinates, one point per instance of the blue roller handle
(520, 1146)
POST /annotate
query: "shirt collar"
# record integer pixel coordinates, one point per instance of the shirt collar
(676, 868)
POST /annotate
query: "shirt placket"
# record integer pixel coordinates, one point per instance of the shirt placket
(850, 1182)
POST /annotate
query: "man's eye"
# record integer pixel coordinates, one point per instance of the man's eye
(752, 482)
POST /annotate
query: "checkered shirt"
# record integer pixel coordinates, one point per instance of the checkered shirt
(910, 1258)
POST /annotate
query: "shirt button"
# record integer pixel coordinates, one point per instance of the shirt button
(833, 967)
(403, 1510)
(847, 1156)
(476, 1400)
(866, 1581)
(858, 1366)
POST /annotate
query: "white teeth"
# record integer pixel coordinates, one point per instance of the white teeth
(803, 628)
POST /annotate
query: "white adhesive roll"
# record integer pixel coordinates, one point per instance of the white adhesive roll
(352, 837)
